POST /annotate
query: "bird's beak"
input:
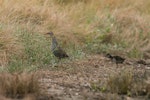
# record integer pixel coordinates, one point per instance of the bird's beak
(50, 33)
(46, 34)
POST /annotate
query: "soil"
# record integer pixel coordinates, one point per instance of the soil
(73, 80)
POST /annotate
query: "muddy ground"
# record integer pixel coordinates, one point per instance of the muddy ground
(73, 80)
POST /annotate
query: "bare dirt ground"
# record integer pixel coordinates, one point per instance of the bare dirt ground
(72, 80)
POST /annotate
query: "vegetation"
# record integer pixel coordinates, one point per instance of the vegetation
(83, 27)
(124, 83)
(92, 26)
(19, 85)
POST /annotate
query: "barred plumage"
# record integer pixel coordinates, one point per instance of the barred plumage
(56, 49)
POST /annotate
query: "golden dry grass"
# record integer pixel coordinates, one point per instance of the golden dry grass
(127, 21)
(19, 85)
(8, 47)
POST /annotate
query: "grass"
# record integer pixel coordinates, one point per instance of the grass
(96, 27)
(124, 83)
(129, 84)
(34, 51)
(82, 27)
(121, 83)
(120, 33)
(19, 85)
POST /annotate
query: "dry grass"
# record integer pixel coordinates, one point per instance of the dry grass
(128, 83)
(8, 47)
(126, 21)
(120, 83)
(19, 85)
(91, 25)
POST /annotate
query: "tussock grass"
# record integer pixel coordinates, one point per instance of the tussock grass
(128, 83)
(8, 47)
(19, 85)
(121, 83)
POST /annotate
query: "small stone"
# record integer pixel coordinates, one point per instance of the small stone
(76, 93)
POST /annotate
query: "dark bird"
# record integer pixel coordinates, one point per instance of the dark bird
(141, 62)
(116, 59)
(56, 49)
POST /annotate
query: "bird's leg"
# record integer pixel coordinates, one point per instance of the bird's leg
(59, 61)
(55, 64)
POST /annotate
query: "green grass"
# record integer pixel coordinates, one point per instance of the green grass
(37, 52)
(100, 27)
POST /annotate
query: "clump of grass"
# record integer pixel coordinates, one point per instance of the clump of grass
(120, 83)
(8, 47)
(126, 83)
(99, 86)
(19, 85)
